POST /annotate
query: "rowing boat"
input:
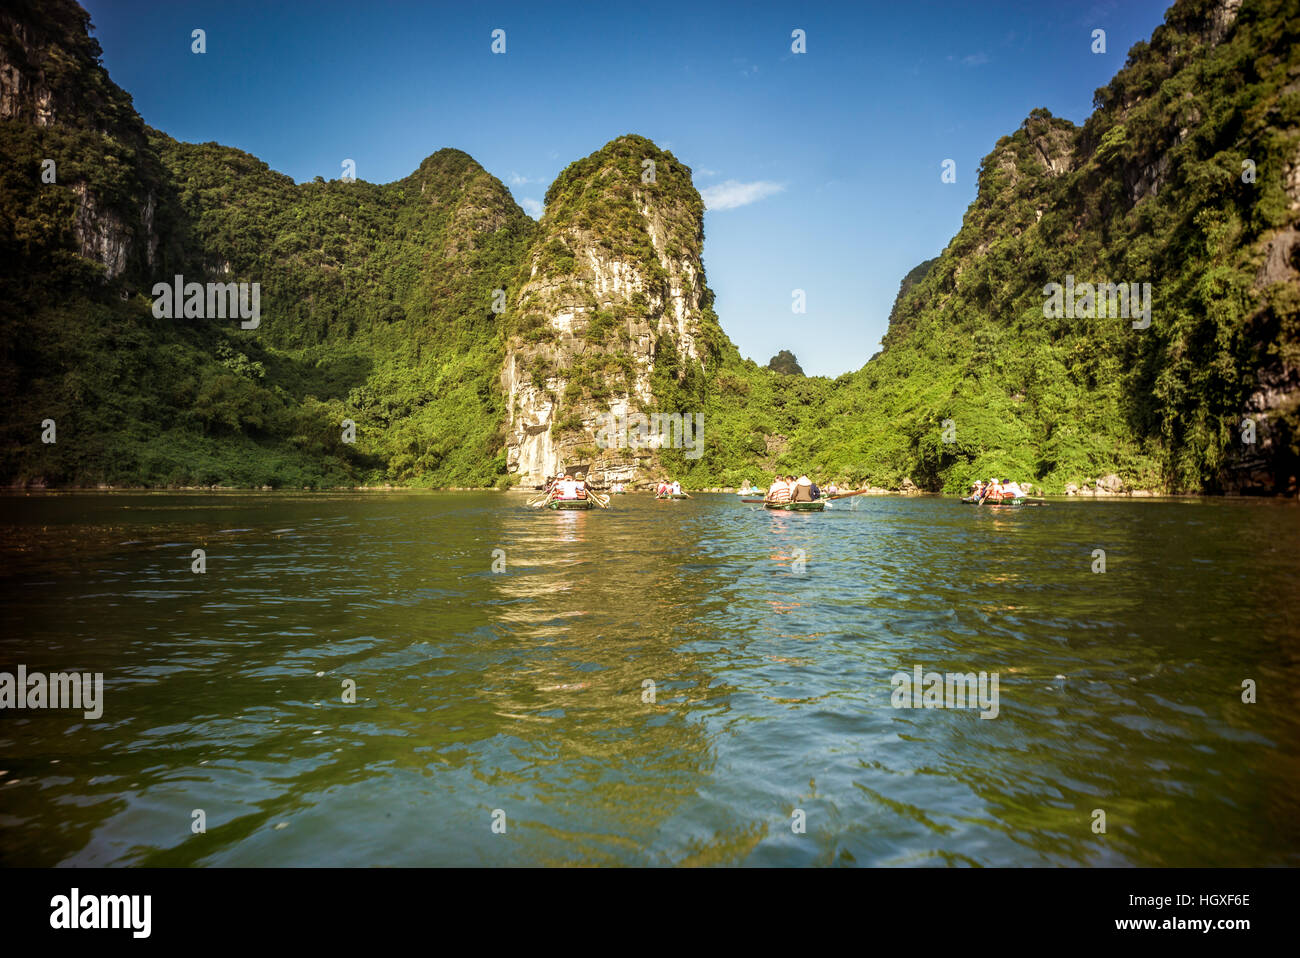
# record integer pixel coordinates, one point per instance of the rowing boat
(972, 501)
(816, 506)
(678, 496)
(569, 504)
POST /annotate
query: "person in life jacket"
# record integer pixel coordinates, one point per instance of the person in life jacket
(677, 488)
(661, 490)
(579, 486)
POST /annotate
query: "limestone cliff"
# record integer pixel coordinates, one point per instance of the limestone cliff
(87, 144)
(611, 300)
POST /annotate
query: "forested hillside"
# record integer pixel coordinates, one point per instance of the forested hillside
(468, 345)
(1186, 177)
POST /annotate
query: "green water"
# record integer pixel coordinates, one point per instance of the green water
(523, 691)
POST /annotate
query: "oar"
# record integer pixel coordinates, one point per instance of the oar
(541, 503)
(845, 495)
(603, 503)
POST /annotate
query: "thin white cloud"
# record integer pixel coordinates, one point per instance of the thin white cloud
(532, 207)
(517, 180)
(732, 193)
(975, 59)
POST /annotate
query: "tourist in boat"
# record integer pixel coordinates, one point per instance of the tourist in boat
(779, 491)
(579, 486)
(661, 490)
(677, 488)
(568, 488)
(802, 490)
(816, 492)
(832, 489)
(1008, 489)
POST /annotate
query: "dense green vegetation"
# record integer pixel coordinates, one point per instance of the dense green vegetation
(377, 301)
(1150, 189)
(376, 304)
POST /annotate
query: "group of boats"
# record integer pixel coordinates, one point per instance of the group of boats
(569, 492)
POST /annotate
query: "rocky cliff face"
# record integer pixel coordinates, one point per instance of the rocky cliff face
(51, 79)
(611, 299)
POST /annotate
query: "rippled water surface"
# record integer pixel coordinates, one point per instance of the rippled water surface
(771, 640)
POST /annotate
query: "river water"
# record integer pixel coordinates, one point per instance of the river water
(508, 716)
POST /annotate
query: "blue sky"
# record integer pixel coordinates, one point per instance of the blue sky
(821, 170)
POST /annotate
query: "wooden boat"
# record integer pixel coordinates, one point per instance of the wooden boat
(680, 495)
(972, 501)
(815, 506)
(569, 504)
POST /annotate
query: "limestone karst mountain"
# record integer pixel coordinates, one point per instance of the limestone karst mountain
(612, 303)
(467, 345)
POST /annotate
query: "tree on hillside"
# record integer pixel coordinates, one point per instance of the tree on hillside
(785, 364)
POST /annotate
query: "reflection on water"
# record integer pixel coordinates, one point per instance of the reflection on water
(663, 683)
